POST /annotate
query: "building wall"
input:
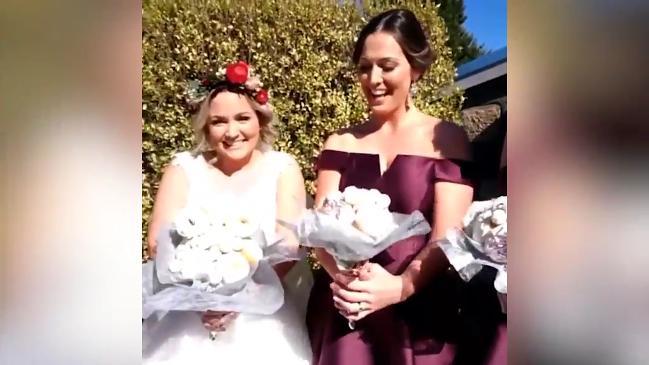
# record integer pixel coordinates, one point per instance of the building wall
(485, 120)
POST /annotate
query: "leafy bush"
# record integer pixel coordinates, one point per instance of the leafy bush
(300, 49)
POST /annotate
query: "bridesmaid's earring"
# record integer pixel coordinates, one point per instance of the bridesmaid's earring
(413, 90)
(411, 95)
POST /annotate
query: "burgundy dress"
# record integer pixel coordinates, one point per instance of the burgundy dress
(419, 331)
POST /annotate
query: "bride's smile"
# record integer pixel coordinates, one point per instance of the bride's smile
(233, 128)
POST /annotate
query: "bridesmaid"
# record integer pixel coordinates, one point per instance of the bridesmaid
(483, 324)
(404, 301)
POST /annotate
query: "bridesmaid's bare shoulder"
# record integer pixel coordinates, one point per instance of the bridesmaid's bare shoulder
(347, 138)
(449, 139)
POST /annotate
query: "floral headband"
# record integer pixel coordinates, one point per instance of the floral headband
(238, 74)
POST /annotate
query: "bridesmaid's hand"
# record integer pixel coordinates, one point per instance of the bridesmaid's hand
(217, 321)
(370, 290)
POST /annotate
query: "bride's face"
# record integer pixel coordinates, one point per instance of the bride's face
(232, 127)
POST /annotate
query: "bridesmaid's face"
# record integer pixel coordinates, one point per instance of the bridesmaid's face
(232, 127)
(384, 73)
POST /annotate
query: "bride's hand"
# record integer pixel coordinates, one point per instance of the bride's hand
(370, 290)
(217, 321)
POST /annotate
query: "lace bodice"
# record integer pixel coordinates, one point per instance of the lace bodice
(253, 189)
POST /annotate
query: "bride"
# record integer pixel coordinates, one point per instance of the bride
(233, 130)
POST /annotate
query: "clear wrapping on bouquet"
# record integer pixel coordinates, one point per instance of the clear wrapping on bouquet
(481, 242)
(468, 257)
(348, 244)
(355, 225)
(258, 292)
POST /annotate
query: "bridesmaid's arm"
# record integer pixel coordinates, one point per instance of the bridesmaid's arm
(170, 198)
(327, 182)
(291, 203)
(451, 201)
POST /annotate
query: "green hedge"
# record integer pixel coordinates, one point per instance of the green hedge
(301, 51)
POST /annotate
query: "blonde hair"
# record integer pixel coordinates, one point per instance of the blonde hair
(264, 114)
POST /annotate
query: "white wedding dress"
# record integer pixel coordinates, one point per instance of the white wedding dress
(280, 338)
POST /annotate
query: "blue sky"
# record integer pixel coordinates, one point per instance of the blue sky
(487, 20)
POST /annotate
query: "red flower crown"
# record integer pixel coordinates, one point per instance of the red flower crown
(238, 74)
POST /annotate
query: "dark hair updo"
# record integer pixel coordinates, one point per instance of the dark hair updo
(403, 25)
